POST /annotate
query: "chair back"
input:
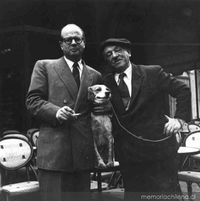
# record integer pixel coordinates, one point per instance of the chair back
(193, 140)
(33, 135)
(10, 132)
(13, 133)
(192, 127)
(15, 152)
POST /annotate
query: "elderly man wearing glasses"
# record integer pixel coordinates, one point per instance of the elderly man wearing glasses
(57, 97)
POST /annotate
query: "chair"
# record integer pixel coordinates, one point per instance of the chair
(33, 135)
(189, 177)
(13, 133)
(192, 140)
(193, 127)
(114, 176)
(94, 185)
(16, 154)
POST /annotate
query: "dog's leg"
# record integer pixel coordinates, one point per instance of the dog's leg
(100, 163)
(110, 152)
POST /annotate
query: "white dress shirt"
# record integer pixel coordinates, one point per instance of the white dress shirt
(127, 78)
(70, 64)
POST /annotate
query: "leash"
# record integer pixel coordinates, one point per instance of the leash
(135, 136)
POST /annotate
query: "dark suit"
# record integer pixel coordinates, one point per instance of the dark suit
(68, 146)
(141, 162)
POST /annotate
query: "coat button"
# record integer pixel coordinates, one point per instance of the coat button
(64, 101)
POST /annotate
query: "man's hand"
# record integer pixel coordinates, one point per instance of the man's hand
(64, 113)
(172, 126)
(103, 108)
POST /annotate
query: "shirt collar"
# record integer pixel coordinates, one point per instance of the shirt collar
(70, 64)
(128, 73)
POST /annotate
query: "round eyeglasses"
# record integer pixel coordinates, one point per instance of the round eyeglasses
(69, 40)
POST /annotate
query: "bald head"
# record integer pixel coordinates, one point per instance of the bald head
(72, 42)
(72, 28)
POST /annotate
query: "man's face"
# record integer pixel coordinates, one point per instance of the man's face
(73, 43)
(117, 57)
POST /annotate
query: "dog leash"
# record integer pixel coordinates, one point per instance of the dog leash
(135, 136)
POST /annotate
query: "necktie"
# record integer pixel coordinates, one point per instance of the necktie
(75, 73)
(123, 90)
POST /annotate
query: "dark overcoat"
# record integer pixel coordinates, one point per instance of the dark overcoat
(67, 146)
(145, 116)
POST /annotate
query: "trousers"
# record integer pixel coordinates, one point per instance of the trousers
(64, 186)
(156, 178)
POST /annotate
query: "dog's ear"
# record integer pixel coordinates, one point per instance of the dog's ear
(90, 93)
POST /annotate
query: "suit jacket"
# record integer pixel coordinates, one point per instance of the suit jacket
(145, 115)
(67, 146)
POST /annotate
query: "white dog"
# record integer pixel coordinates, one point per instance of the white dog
(101, 127)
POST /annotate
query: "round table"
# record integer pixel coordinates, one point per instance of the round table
(185, 153)
(188, 150)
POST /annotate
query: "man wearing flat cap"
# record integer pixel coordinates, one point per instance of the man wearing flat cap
(145, 137)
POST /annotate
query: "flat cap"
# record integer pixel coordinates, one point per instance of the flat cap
(122, 42)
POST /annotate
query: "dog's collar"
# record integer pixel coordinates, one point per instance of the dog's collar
(102, 113)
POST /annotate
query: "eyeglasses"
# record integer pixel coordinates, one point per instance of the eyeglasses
(70, 39)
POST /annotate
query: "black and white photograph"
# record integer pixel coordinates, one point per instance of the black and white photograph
(99, 100)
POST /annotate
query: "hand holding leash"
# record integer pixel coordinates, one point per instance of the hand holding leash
(172, 126)
(65, 113)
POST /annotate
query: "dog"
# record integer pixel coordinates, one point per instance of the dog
(101, 127)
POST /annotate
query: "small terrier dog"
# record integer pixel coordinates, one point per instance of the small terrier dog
(101, 127)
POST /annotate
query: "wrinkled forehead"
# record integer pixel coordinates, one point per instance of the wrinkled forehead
(71, 30)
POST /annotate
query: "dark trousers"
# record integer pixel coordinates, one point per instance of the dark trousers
(156, 179)
(64, 186)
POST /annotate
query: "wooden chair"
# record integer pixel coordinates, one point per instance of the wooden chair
(15, 154)
(190, 176)
(94, 186)
(115, 176)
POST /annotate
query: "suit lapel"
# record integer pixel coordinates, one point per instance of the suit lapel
(116, 98)
(64, 73)
(86, 80)
(137, 79)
